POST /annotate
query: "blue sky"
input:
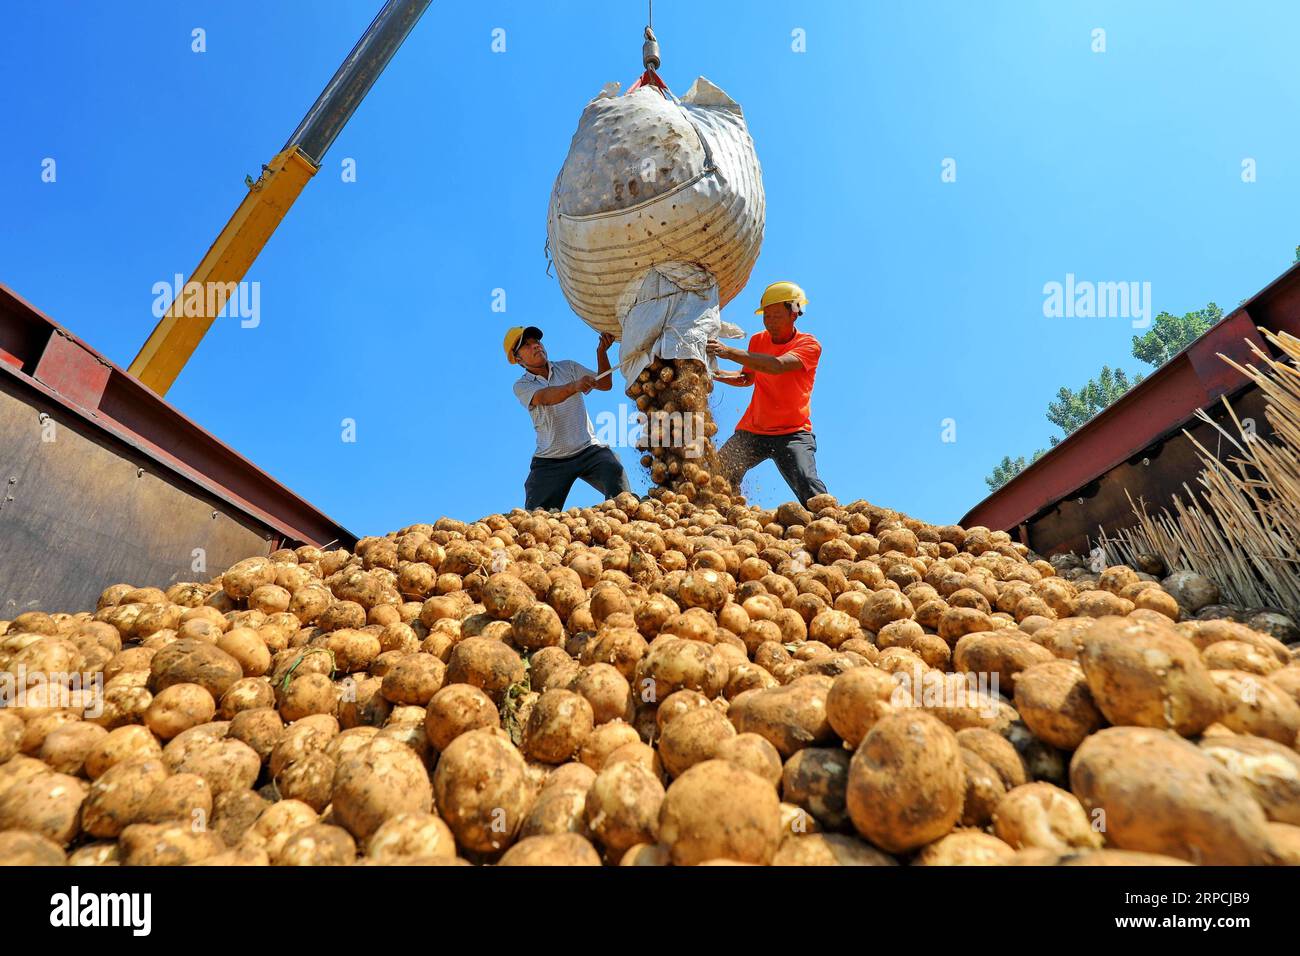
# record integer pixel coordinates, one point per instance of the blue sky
(376, 296)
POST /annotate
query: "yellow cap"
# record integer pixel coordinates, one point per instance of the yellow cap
(515, 335)
(782, 292)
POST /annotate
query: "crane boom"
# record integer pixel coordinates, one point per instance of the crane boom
(227, 261)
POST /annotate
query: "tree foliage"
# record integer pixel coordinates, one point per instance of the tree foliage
(1072, 408)
(1008, 468)
(1170, 334)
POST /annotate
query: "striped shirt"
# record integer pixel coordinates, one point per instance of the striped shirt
(563, 430)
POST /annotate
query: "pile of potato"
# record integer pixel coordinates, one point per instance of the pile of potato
(652, 683)
(680, 454)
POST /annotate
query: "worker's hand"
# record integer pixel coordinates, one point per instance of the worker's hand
(586, 383)
(606, 340)
(718, 350)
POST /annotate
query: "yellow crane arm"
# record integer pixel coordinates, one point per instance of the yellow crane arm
(221, 269)
(225, 264)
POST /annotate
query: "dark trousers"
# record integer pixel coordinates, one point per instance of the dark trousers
(549, 479)
(795, 456)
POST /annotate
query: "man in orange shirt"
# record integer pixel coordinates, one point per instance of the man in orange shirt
(781, 364)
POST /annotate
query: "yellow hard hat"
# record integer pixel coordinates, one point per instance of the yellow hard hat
(514, 335)
(782, 292)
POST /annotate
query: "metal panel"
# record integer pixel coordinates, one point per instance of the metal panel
(123, 409)
(80, 512)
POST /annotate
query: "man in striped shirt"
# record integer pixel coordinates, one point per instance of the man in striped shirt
(567, 448)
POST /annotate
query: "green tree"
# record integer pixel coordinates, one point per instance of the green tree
(1170, 334)
(1297, 254)
(1071, 409)
(1008, 468)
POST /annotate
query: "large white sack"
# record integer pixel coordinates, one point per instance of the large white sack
(672, 313)
(648, 181)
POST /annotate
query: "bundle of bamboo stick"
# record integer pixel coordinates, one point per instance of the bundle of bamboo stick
(1241, 526)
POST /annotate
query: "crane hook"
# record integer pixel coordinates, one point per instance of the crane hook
(650, 50)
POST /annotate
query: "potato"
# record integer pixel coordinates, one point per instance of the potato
(504, 596)
(91, 854)
(244, 577)
(1194, 809)
(717, 810)
(1253, 705)
(554, 849)
(65, 749)
(179, 707)
(410, 836)
(250, 693)
(674, 664)
(1191, 591)
(906, 782)
(414, 679)
(1041, 815)
(481, 789)
(1149, 676)
(984, 788)
(857, 699)
(559, 724)
(623, 647)
(692, 737)
(646, 854)
(789, 717)
(1001, 656)
(123, 744)
(194, 662)
(606, 690)
(753, 753)
(308, 695)
(234, 812)
(537, 626)
(456, 709)
(11, 735)
(224, 763)
(1286, 842)
(559, 808)
(21, 848)
(167, 844)
(1102, 604)
(1054, 701)
(183, 797)
(1270, 770)
(45, 803)
(604, 740)
(277, 823)
(816, 779)
(622, 807)
(485, 663)
(1240, 656)
(318, 845)
(966, 848)
(828, 849)
(380, 781)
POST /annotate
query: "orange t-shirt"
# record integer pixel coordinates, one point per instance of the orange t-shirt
(782, 403)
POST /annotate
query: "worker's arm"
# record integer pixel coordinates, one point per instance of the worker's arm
(743, 380)
(756, 361)
(602, 363)
(554, 394)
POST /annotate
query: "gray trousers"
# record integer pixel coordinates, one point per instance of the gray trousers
(550, 479)
(795, 456)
